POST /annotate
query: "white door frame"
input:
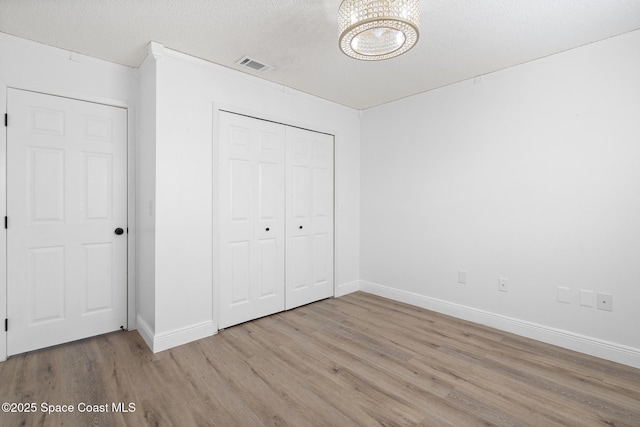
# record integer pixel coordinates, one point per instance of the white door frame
(131, 200)
(259, 115)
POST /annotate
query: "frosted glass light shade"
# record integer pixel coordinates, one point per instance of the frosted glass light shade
(372, 30)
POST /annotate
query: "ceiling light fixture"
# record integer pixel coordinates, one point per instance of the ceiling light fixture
(372, 30)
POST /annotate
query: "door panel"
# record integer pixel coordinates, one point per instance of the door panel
(240, 191)
(321, 193)
(268, 191)
(309, 255)
(269, 270)
(45, 177)
(46, 121)
(300, 263)
(98, 186)
(251, 219)
(300, 188)
(98, 267)
(46, 279)
(66, 194)
(240, 273)
(320, 267)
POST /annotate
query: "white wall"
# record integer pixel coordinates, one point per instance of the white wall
(531, 175)
(188, 93)
(146, 197)
(33, 66)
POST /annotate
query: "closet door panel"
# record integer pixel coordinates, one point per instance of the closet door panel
(251, 222)
(309, 254)
(268, 197)
(240, 264)
(322, 193)
(270, 216)
(269, 277)
(239, 190)
(321, 272)
(300, 187)
(298, 252)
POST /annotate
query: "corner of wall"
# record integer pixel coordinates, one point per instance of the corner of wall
(347, 288)
(145, 199)
(158, 342)
(166, 340)
(145, 331)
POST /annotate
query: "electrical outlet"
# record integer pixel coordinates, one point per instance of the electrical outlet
(564, 294)
(502, 284)
(462, 276)
(605, 302)
(586, 298)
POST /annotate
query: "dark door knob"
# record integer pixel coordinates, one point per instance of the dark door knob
(267, 228)
(119, 231)
(300, 227)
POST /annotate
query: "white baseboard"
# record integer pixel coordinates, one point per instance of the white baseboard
(176, 337)
(145, 331)
(595, 347)
(347, 288)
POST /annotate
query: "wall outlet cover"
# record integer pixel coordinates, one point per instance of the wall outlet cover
(587, 298)
(605, 302)
(462, 276)
(564, 294)
(503, 285)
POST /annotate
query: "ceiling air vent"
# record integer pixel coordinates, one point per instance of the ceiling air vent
(253, 64)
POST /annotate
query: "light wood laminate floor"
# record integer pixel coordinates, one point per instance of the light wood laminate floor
(357, 360)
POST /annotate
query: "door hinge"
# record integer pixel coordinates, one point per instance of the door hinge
(6, 222)
(6, 119)
(6, 325)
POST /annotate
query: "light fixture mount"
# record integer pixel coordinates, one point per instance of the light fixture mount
(372, 30)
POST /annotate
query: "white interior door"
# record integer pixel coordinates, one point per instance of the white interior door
(309, 217)
(66, 196)
(251, 218)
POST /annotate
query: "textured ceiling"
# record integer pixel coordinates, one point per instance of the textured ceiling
(459, 39)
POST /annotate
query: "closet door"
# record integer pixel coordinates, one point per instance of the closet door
(252, 234)
(309, 206)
